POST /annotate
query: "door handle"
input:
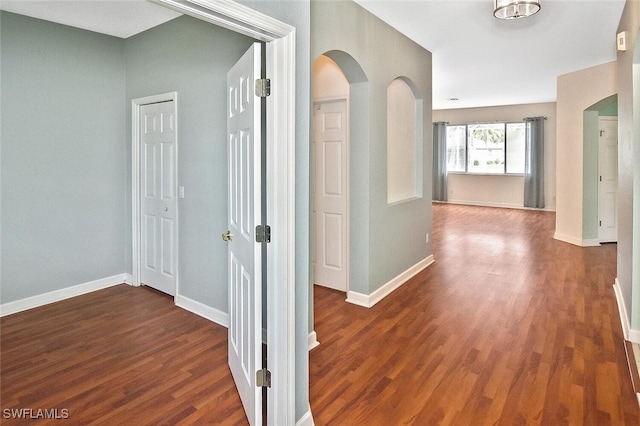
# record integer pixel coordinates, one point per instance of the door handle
(227, 236)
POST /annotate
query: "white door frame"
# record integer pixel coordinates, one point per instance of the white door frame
(136, 104)
(281, 47)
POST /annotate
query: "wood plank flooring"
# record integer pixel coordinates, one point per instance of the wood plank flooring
(119, 356)
(507, 327)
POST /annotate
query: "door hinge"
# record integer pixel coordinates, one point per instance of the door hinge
(263, 378)
(600, 223)
(263, 87)
(263, 234)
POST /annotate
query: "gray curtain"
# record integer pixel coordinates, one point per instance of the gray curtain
(534, 163)
(440, 161)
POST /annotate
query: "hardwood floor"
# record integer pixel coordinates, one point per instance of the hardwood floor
(507, 327)
(119, 356)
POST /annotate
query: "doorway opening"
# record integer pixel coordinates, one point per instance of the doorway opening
(600, 172)
(279, 39)
(340, 92)
(331, 175)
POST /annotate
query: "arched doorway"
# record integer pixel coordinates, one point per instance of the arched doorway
(340, 104)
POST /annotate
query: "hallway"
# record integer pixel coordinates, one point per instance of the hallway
(508, 326)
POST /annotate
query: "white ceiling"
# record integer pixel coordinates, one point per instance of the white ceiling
(485, 61)
(119, 18)
(477, 58)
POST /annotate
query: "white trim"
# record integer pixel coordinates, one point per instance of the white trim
(306, 419)
(212, 314)
(281, 215)
(135, 180)
(359, 299)
(313, 340)
(281, 58)
(369, 300)
(591, 243)
(492, 204)
(232, 16)
(576, 241)
(62, 294)
(622, 309)
(630, 334)
(567, 239)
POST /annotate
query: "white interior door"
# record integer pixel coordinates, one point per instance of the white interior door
(158, 204)
(608, 180)
(244, 253)
(331, 194)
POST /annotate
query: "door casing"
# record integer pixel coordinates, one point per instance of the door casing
(280, 187)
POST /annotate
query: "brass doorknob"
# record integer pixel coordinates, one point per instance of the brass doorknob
(227, 236)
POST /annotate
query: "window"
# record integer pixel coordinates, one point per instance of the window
(456, 148)
(486, 148)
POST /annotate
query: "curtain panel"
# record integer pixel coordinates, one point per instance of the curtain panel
(440, 161)
(534, 163)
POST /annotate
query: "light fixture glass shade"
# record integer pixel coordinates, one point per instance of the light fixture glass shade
(515, 9)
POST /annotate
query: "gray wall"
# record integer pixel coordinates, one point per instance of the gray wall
(192, 57)
(88, 184)
(629, 165)
(63, 157)
(385, 239)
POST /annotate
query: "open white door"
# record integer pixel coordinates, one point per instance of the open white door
(244, 253)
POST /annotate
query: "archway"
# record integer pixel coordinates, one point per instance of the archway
(339, 82)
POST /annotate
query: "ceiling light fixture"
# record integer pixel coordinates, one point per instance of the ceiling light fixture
(515, 9)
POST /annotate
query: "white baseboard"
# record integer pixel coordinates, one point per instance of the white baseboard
(486, 204)
(622, 309)
(630, 334)
(358, 299)
(313, 340)
(62, 294)
(369, 300)
(577, 241)
(568, 239)
(212, 314)
(492, 204)
(128, 279)
(306, 419)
